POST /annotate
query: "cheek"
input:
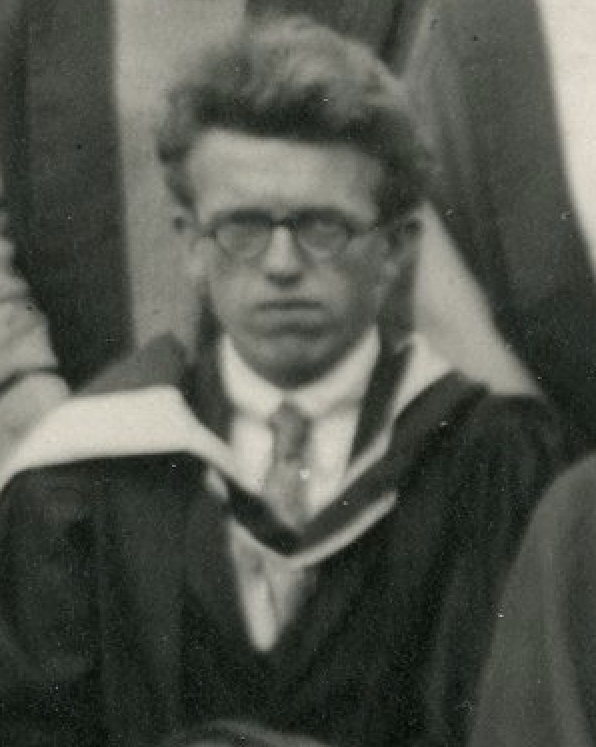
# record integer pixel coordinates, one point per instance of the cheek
(365, 285)
(225, 288)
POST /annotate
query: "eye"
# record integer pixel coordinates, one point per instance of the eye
(239, 231)
(323, 229)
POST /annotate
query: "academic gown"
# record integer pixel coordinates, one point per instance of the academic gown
(119, 617)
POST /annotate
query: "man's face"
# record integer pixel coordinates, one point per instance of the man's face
(290, 315)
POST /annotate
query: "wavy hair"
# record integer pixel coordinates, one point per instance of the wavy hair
(292, 78)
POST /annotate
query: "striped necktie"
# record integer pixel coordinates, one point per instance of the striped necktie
(270, 589)
(285, 484)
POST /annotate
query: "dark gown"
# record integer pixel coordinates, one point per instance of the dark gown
(119, 621)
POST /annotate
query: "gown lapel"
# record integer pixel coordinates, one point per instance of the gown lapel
(195, 540)
(407, 532)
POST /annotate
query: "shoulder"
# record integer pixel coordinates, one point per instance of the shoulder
(475, 424)
(162, 361)
(52, 497)
(512, 425)
(519, 444)
(502, 454)
(513, 412)
(576, 487)
(51, 500)
(473, 435)
(566, 516)
(552, 581)
(135, 407)
(136, 411)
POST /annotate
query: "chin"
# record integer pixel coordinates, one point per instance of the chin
(292, 357)
(295, 368)
(297, 377)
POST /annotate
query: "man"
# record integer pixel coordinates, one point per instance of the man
(541, 678)
(304, 527)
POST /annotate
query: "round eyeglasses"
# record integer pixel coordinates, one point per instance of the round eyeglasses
(246, 236)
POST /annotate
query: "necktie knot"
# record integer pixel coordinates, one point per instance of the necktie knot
(291, 428)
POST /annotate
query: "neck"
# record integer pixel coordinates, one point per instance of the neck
(347, 380)
(364, 348)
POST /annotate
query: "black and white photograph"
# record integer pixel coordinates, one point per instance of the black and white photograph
(297, 373)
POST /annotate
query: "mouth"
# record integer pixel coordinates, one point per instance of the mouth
(289, 314)
(288, 304)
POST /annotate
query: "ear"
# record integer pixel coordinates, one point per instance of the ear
(186, 226)
(403, 239)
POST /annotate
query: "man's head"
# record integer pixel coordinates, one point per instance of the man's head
(294, 151)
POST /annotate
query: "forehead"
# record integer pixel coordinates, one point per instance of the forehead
(232, 170)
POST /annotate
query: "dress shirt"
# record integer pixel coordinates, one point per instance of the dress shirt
(270, 591)
(332, 403)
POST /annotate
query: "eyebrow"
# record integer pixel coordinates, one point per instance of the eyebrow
(255, 212)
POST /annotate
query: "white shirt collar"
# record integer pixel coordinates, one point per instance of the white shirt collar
(345, 384)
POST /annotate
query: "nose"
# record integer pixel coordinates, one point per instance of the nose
(282, 261)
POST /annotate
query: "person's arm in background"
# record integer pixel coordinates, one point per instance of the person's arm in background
(30, 383)
(29, 379)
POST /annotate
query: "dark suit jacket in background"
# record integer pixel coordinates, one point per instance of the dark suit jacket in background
(59, 156)
(540, 684)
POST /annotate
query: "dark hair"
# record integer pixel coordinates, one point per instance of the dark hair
(292, 78)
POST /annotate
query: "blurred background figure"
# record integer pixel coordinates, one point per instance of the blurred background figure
(83, 209)
(30, 382)
(507, 289)
(540, 680)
